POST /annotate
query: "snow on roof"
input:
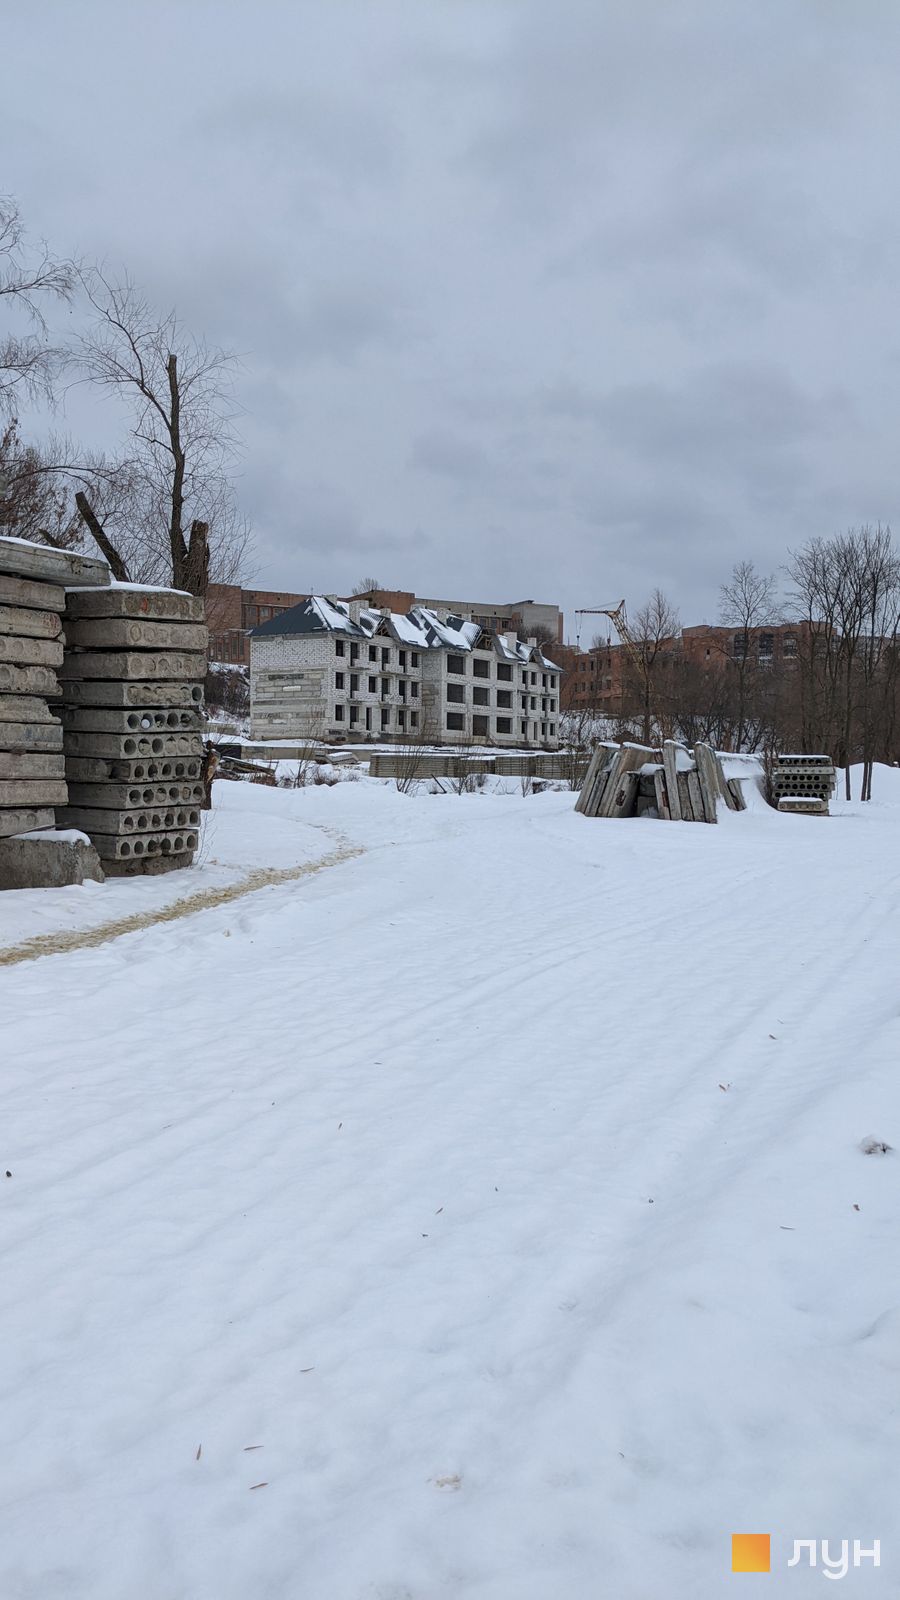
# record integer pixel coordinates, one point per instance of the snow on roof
(422, 628)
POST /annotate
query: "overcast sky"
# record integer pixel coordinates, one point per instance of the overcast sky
(558, 299)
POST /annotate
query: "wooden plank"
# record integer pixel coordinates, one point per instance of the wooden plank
(708, 781)
(696, 797)
(623, 800)
(684, 798)
(600, 781)
(590, 778)
(724, 789)
(670, 766)
(737, 793)
(626, 760)
(661, 792)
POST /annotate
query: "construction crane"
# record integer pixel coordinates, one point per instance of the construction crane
(616, 615)
(619, 618)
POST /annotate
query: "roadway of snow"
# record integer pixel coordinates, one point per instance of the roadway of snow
(488, 1200)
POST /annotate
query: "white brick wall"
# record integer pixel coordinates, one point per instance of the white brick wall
(294, 692)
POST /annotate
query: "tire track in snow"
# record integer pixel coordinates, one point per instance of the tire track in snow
(51, 944)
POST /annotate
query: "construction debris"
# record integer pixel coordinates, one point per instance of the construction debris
(132, 719)
(674, 784)
(32, 763)
(803, 784)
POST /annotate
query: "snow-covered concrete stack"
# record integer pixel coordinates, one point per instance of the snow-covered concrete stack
(132, 715)
(32, 600)
(803, 784)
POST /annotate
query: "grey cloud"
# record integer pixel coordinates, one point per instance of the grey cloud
(449, 456)
(567, 299)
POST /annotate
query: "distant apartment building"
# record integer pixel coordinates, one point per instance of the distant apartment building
(336, 669)
(599, 678)
(529, 617)
(232, 612)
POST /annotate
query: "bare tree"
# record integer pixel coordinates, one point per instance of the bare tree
(174, 519)
(35, 501)
(651, 643)
(545, 637)
(28, 279)
(746, 602)
(365, 586)
(847, 593)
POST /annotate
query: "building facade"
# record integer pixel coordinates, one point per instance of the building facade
(600, 679)
(233, 612)
(332, 669)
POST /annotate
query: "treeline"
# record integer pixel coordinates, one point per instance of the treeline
(815, 669)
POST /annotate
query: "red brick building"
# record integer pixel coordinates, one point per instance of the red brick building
(598, 679)
(231, 612)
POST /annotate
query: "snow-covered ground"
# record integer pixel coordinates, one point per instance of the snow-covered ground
(483, 1216)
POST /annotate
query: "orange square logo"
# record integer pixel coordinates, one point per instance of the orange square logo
(750, 1552)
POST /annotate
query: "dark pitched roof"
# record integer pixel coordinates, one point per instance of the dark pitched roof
(310, 616)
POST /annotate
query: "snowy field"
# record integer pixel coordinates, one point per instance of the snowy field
(481, 1216)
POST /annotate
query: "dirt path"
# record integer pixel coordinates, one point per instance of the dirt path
(51, 944)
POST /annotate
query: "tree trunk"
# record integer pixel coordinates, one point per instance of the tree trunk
(176, 532)
(196, 573)
(95, 528)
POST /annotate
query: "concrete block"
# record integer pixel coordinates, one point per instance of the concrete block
(130, 600)
(112, 693)
(134, 633)
(98, 719)
(30, 624)
(112, 847)
(38, 596)
(23, 819)
(129, 745)
(126, 665)
(24, 708)
(137, 820)
(31, 736)
(23, 764)
(93, 769)
(50, 862)
(804, 805)
(33, 792)
(22, 559)
(125, 796)
(149, 866)
(31, 652)
(28, 680)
